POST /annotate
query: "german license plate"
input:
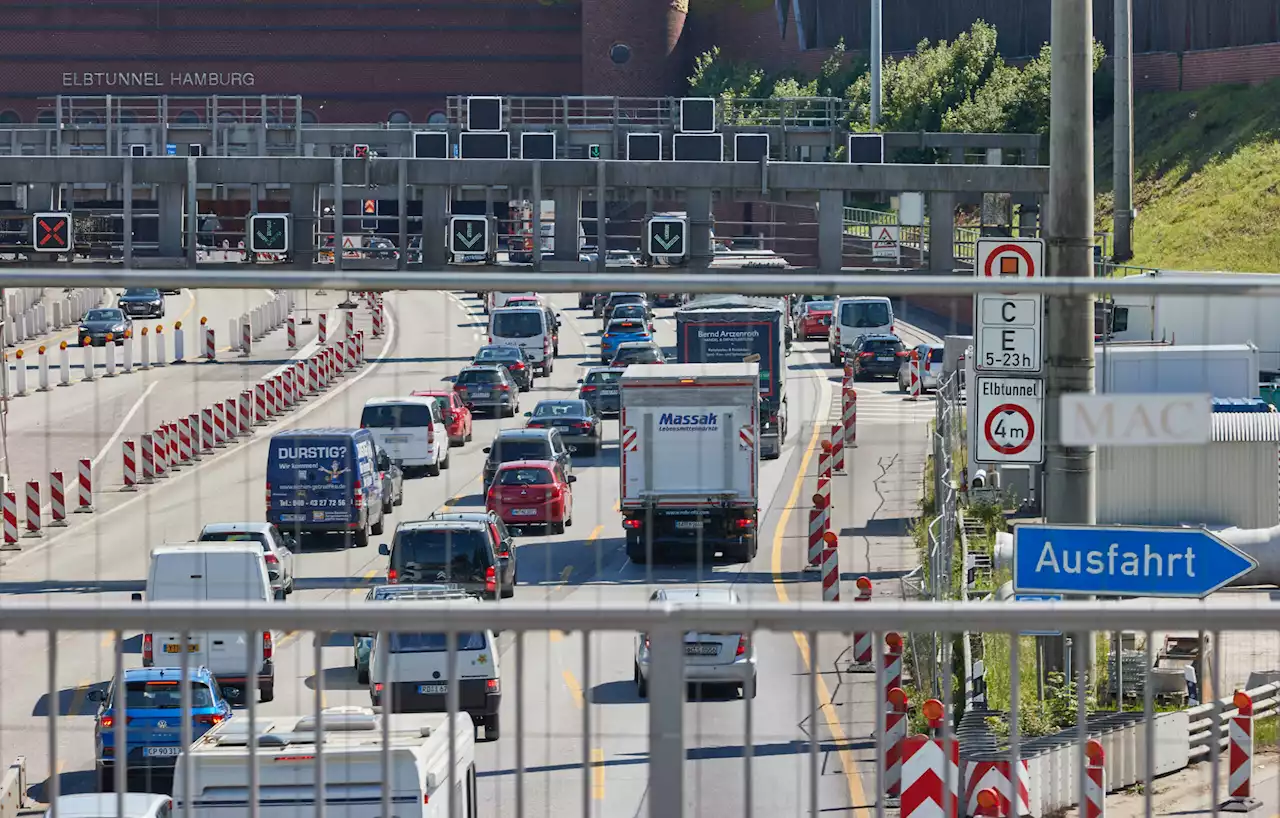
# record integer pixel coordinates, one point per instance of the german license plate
(479, 394)
(176, 647)
(523, 512)
(292, 518)
(701, 649)
(433, 689)
(161, 752)
(397, 438)
(689, 524)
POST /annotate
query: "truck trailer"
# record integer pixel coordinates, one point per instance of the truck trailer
(690, 468)
(736, 329)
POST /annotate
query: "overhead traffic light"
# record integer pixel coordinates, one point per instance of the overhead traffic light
(468, 235)
(666, 237)
(268, 232)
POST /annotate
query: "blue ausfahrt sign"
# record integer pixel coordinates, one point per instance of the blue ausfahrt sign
(1136, 561)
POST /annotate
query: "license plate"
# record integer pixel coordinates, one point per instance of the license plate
(701, 650)
(523, 512)
(292, 518)
(176, 647)
(688, 523)
(479, 394)
(161, 752)
(885, 358)
(397, 438)
(433, 689)
(609, 392)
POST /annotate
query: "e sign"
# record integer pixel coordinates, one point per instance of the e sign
(1010, 420)
(1009, 328)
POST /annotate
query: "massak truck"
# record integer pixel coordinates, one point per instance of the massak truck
(690, 463)
(734, 329)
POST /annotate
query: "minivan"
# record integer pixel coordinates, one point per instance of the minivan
(411, 431)
(853, 317)
(212, 572)
(528, 327)
(325, 481)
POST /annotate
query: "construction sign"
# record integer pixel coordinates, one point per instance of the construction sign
(884, 242)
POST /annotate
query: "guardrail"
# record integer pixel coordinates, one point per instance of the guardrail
(1209, 720)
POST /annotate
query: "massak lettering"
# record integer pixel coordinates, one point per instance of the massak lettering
(670, 420)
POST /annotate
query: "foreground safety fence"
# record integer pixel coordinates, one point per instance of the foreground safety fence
(916, 764)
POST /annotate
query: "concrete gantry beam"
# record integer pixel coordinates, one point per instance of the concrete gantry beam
(779, 176)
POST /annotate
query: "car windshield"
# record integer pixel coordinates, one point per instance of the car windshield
(818, 306)
(881, 346)
(517, 324)
(433, 642)
(603, 377)
(143, 292)
(639, 355)
(935, 355)
(629, 311)
(164, 695)
(525, 476)
(236, 536)
(558, 409)
(461, 549)
(618, 300)
(499, 354)
(104, 315)
(504, 451)
(479, 376)
(865, 314)
(396, 416)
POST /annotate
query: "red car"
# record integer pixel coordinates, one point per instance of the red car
(815, 321)
(456, 415)
(532, 492)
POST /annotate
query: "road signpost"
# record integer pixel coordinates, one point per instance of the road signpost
(51, 232)
(666, 237)
(268, 233)
(1009, 328)
(468, 235)
(1010, 420)
(1124, 561)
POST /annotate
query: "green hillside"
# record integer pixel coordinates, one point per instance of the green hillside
(1207, 185)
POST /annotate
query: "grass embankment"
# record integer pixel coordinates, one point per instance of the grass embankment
(1207, 179)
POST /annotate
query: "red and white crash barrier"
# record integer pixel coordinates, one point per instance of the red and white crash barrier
(377, 319)
(1095, 780)
(232, 417)
(895, 732)
(175, 448)
(849, 416)
(184, 439)
(292, 333)
(913, 376)
(830, 568)
(930, 778)
(313, 375)
(277, 392)
(207, 442)
(219, 425)
(837, 448)
(57, 500)
(1240, 757)
(259, 404)
(817, 527)
(322, 328)
(85, 470)
(34, 517)
(148, 458)
(980, 776)
(161, 452)
(246, 412)
(10, 512)
(210, 344)
(129, 454)
(863, 641)
(193, 425)
(824, 460)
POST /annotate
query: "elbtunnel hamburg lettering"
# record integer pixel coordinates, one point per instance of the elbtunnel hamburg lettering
(1075, 561)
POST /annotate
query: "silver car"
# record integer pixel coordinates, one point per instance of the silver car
(930, 367)
(275, 548)
(710, 658)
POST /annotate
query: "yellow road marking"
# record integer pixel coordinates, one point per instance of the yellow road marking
(368, 575)
(575, 689)
(856, 795)
(595, 532)
(597, 773)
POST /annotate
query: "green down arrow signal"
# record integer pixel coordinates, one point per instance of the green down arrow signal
(666, 241)
(269, 235)
(469, 240)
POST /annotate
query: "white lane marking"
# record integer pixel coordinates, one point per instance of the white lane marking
(111, 441)
(26, 555)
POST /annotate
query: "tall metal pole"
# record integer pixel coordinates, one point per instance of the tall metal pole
(1070, 496)
(877, 57)
(1122, 161)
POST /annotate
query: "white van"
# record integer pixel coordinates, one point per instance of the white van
(412, 674)
(499, 300)
(419, 783)
(410, 430)
(525, 327)
(860, 315)
(212, 572)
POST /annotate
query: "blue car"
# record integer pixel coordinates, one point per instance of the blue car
(152, 701)
(620, 331)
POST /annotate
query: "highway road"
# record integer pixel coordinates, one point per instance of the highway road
(431, 335)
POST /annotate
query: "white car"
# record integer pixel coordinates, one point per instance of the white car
(710, 658)
(410, 430)
(930, 367)
(105, 805)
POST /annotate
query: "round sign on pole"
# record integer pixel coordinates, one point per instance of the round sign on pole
(1009, 429)
(1009, 417)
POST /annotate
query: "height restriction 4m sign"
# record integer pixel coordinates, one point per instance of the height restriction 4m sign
(1009, 420)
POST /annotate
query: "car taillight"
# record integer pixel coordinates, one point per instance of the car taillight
(377, 687)
(267, 647)
(492, 686)
(490, 580)
(742, 646)
(393, 576)
(588, 388)
(517, 366)
(582, 424)
(359, 489)
(891, 329)
(459, 387)
(271, 559)
(504, 388)
(646, 641)
(744, 522)
(866, 355)
(107, 721)
(631, 523)
(148, 651)
(210, 718)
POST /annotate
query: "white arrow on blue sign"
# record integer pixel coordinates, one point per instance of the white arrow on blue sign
(1131, 561)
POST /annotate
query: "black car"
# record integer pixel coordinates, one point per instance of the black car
(525, 444)
(98, 323)
(599, 388)
(144, 302)
(635, 312)
(488, 388)
(637, 352)
(877, 356)
(510, 357)
(618, 299)
(506, 543)
(575, 420)
(458, 552)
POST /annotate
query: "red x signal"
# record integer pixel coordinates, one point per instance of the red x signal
(52, 231)
(361, 151)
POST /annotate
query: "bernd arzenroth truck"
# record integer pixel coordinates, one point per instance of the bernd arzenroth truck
(690, 461)
(734, 329)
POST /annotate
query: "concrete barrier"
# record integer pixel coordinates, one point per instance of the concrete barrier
(13, 789)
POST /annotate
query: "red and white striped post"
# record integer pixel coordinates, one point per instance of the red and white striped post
(913, 374)
(824, 460)
(85, 470)
(850, 416)
(260, 404)
(837, 448)
(848, 370)
(292, 332)
(1095, 780)
(246, 337)
(10, 506)
(286, 388)
(57, 500)
(277, 386)
(824, 491)
(219, 425)
(377, 319)
(193, 426)
(930, 776)
(322, 329)
(817, 527)
(313, 375)
(863, 641)
(129, 454)
(232, 417)
(830, 567)
(33, 509)
(175, 448)
(161, 452)
(246, 412)
(210, 341)
(184, 439)
(206, 430)
(895, 731)
(148, 458)
(1240, 757)
(340, 349)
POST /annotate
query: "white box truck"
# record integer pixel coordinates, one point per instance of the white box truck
(690, 466)
(1223, 371)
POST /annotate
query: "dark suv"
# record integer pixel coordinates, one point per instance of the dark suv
(461, 552)
(525, 444)
(876, 356)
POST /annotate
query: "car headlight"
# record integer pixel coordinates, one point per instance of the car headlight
(118, 328)
(157, 302)
(84, 330)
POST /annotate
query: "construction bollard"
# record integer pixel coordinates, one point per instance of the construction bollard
(824, 491)
(219, 426)
(830, 568)
(128, 351)
(230, 412)
(848, 370)
(824, 460)
(206, 430)
(207, 339)
(179, 344)
(175, 446)
(130, 457)
(276, 390)
(146, 351)
(895, 731)
(109, 357)
(850, 417)
(20, 376)
(863, 641)
(1095, 780)
(57, 500)
(313, 375)
(837, 448)
(147, 443)
(377, 320)
(259, 404)
(246, 412)
(1240, 757)
(913, 375)
(188, 452)
(193, 424)
(292, 333)
(33, 509)
(160, 452)
(10, 505)
(159, 336)
(322, 333)
(64, 364)
(246, 337)
(88, 359)
(44, 369)
(817, 527)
